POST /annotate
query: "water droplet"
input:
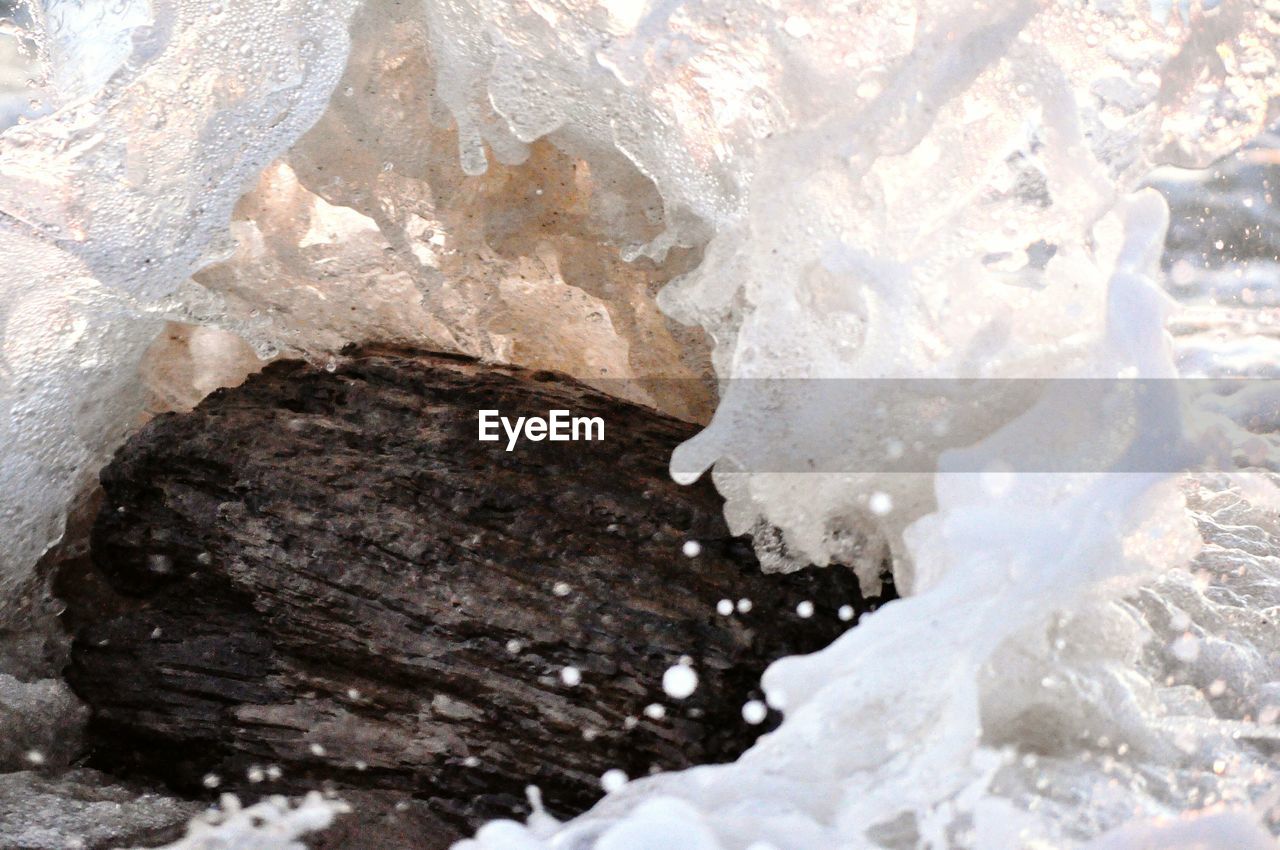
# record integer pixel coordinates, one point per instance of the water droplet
(613, 780)
(797, 27)
(680, 681)
(754, 712)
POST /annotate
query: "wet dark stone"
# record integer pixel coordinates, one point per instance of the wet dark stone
(328, 572)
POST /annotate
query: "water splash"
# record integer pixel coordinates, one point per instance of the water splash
(885, 189)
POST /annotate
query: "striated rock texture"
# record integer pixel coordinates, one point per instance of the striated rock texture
(84, 810)
(328, 574)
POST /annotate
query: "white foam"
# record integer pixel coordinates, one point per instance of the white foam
(892, 189)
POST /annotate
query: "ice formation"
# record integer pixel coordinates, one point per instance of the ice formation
(874, 189)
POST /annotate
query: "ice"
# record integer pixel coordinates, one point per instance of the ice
(871, 191)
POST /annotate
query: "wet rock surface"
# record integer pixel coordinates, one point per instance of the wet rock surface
(323, 579)
(85, 810)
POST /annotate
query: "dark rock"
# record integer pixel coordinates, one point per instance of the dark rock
(328, 573)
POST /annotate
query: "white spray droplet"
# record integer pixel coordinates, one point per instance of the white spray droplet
(1186, 648)
(613, 780)
(754, 712)
(797, 27)
(680, 681)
